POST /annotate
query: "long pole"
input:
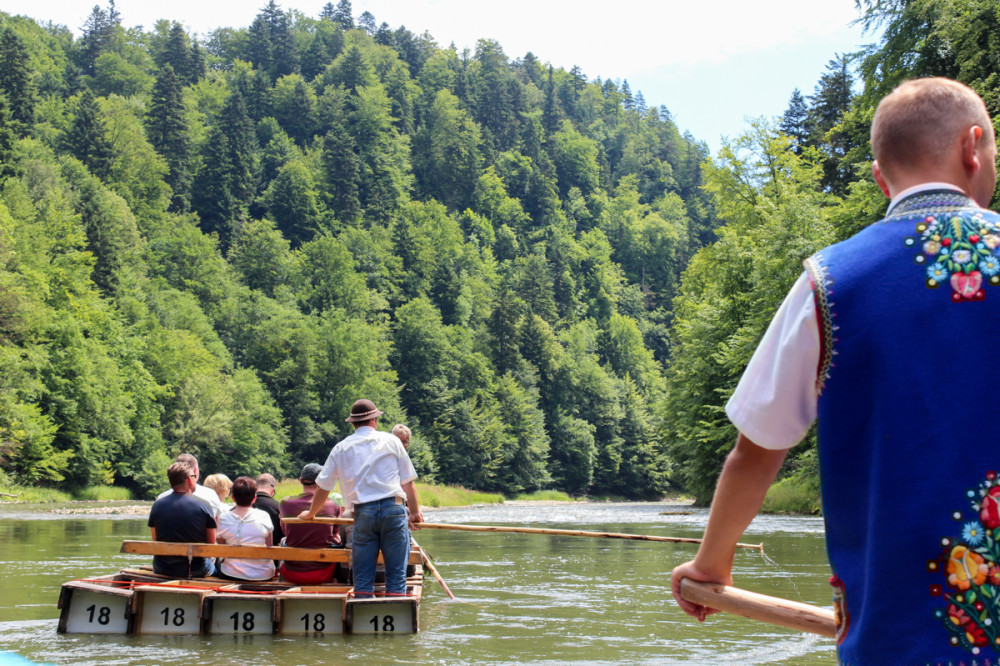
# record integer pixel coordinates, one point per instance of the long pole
(430, 565)
(535, 530)
(773, 610)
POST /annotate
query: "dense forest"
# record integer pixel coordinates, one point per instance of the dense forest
(216, 244)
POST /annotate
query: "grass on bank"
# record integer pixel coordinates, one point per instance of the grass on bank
(429, 494)
(792, 495)
(12, 492)
(544, 496)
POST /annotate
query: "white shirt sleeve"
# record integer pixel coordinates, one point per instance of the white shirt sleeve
(775, 402)
(327, 478)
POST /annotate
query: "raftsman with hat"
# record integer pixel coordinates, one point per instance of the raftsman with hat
(376, 479)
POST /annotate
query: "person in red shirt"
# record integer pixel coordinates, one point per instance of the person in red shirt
(309, 535)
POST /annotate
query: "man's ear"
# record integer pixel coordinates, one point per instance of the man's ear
(971, 140)
(880, 179)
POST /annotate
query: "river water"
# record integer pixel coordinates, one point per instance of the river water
(521, 598)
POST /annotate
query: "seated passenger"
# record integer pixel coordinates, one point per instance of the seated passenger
(221, 484)
(179, 517)
(402, 433)
(306, 535)
(244, 525)
(266, 485)
(202, 493)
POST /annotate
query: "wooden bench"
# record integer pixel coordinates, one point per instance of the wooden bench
(189, 550)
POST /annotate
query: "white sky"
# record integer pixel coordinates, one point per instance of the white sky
(712, 63)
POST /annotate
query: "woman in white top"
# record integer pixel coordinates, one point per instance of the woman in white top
(245, 526)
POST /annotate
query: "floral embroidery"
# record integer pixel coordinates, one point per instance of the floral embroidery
(971, 565)
(961, 249)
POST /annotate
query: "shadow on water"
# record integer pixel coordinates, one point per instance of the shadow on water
(522, 598)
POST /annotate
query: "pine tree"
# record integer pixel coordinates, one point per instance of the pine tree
(354, 71)
(242, 142)
(258, 51)
(628, 102)
(295, 109)
(291, 203)
(367, 22)
(7, 138)
(829, 103)
(343, 15)
(315, 59)
(168, 133)
(15, 80)
(99, 33)
(341, 167)
(795, 121)
(177, 53)
(213, 195)
(832, 97)
(198, 64)
(284, 56)
(550, 114)
(87, 138)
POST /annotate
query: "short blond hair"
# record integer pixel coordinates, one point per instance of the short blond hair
(220, 483)
(402, 432)
(918, 122)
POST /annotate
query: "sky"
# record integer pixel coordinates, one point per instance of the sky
(713, 64)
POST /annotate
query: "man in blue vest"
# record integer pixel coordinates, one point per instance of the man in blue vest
(886, 340)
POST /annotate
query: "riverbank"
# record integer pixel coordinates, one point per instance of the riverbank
(118, 501)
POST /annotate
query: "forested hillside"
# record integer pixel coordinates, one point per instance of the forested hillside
(216, 245)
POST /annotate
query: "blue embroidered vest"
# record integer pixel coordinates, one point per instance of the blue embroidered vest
(909, 323)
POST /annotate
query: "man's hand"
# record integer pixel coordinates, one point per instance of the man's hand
(745, 478)
(414, 518)
(306, 515)
(690, 570)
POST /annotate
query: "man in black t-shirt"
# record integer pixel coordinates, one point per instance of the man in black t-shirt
(179, 517)
(265, 501)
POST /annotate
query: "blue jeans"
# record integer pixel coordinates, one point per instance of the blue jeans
(380, 525)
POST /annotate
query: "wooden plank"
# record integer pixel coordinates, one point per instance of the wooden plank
(112, 590)
(773, 610)
(326, 555)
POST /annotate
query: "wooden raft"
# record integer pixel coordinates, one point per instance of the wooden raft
(137, 601)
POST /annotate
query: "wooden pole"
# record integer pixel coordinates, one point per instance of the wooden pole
(534, 530)
(772, 610)
(430, 565)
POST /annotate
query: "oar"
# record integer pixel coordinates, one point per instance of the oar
(534, 530)
(772, 610)
(430, 565)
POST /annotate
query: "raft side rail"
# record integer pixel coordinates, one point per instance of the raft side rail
(184, 549)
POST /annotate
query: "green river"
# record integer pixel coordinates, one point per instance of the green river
(521, 598)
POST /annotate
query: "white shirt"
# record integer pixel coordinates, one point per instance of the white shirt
(775, 402)
(370, 465)
(206, 495)
(250, 530)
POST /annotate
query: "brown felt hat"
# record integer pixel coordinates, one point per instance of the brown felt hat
(363, 410)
